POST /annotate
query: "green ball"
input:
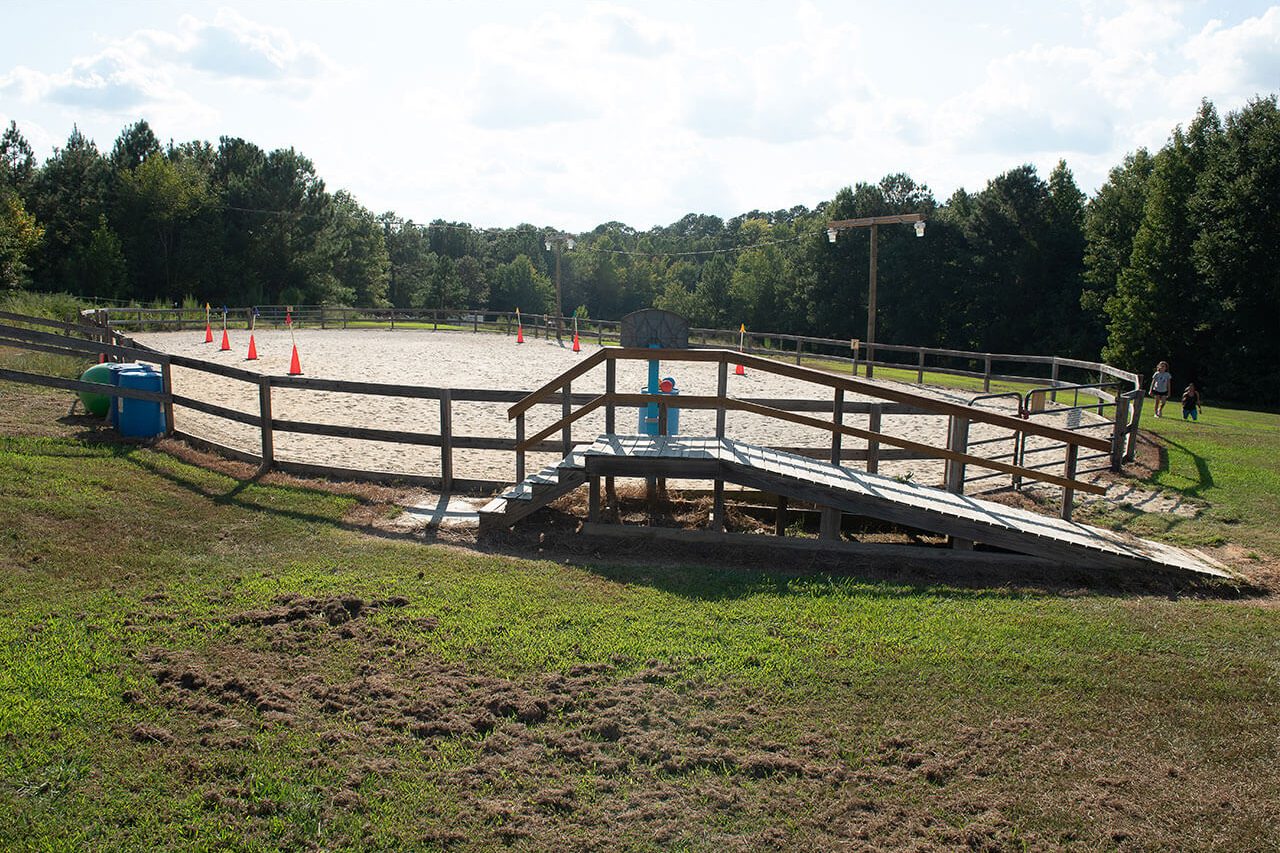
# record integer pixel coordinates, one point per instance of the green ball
(96, 404)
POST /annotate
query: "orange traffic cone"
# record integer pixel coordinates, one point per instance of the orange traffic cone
(519, 334)
(577, 347)
(226, 342)
(295, 368)
(208, 333)
(253, 350)
(739, 370)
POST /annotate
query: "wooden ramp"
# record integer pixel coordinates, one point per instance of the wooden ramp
(851, 491)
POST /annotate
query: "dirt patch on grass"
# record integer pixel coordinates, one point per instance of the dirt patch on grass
(622, 753)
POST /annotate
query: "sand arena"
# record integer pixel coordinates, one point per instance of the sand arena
(492, 361)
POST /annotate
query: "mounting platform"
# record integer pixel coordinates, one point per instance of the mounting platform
(837, 487)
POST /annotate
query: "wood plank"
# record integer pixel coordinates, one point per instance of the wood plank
(77, 385)
(568, 376)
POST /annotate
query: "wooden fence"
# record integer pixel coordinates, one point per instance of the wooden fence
(858, 355)
(88, 340)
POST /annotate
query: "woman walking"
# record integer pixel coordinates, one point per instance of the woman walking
(1160, 386)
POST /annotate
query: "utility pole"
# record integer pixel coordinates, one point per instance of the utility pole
(873, 222)
(557, 239)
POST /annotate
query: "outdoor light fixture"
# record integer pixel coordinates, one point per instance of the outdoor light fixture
(873, 223)
(555, 240)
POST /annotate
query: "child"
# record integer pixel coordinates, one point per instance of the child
(1190, 402)
(1160, 386)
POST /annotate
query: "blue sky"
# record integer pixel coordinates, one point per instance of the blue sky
(572, 114)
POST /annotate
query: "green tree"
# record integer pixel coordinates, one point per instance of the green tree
(471, 278)
(158, 198)
(1158, 308)
(68, 197)
(1237, 257)
(518, 284)
(105, 261)
(19, 238)
(354, 265)
(1112, 218)
(17, 162)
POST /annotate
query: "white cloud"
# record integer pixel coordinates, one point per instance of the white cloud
(1235, 62)
(149, 71)
(233, 46)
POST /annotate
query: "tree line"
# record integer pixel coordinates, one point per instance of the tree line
(1174, 257)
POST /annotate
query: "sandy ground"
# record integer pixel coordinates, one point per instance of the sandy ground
(488, 361)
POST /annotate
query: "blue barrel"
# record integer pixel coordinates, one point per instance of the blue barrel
(141, 418)
(113, 378)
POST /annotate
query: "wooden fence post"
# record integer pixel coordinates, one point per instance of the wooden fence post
(986, 375)
(566, 409)
(717, 507)
(829, 526)
(722, 391)
(610, 388)
(1068, 494)
(264, 411)
(1138, 396)
(1053, 380)
(799, 347)
(920, 369)
(519, 451)
(1119, 429)
(873, 446)
(837, 419)
(957, 442)
(166, 377)
(446, 439)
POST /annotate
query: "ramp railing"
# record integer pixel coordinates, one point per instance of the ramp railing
(956, 454)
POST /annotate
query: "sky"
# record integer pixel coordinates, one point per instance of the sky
(571, 114)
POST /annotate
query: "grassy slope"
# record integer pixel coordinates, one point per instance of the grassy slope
(749, 708)
(1229, 461)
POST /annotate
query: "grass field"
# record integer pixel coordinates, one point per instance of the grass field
(193, 659)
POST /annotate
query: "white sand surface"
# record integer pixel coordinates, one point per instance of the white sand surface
(491, 361)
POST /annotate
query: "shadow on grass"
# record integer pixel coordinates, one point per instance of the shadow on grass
(1204, 476)
(731, 571)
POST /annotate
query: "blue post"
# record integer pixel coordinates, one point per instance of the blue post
(651, 412)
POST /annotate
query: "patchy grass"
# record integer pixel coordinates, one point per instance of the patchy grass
(192, 660)
(1230, 462)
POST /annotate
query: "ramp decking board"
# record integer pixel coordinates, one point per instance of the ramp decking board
(859, 492)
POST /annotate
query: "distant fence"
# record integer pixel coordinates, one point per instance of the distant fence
(989, 367)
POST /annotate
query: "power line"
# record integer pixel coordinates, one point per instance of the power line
(495, 230)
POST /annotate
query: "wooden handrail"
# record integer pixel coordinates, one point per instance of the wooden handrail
(713, 402)
(569, 375)
(870, 389)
